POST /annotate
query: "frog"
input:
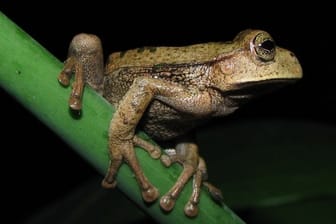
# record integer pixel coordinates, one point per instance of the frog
(170, 91)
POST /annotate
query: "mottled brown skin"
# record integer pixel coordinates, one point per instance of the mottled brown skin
(169, 91)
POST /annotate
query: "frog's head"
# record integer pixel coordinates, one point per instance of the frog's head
(253, 65)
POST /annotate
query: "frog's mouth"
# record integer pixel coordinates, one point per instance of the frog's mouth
(242, 92)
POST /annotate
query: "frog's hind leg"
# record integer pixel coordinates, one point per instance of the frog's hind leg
(85, 61)
(193, 165)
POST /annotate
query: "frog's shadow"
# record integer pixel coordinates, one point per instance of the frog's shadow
(75, 114)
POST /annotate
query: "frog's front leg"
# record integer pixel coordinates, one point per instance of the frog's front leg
(85, 61)
(121, 137)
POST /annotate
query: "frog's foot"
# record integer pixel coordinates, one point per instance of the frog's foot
(187, 155)
(193, 165)
(124, 151)
(85, 62)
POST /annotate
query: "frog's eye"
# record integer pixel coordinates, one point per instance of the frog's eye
(264, 47)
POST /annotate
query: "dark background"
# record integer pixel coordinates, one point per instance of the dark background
(31, 150)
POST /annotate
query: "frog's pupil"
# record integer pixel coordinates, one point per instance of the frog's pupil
(268, 45)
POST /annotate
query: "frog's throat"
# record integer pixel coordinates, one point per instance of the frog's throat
(242, 92)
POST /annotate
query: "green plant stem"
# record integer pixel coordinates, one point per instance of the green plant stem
(28, 72)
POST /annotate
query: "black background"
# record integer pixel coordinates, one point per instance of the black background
(38, 167)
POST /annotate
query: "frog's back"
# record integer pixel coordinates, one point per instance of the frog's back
(150, 56)
(123, 67)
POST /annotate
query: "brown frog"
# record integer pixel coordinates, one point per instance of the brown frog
(168, 91)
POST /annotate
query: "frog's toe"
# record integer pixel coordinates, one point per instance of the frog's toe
(215, 193)
(75, 103)
(170, 157)
(166, 161)
(155, 154)
(191, 209)
(63, 77)
(151, 194)
(167, 203)
(153, 150)
(108, 185)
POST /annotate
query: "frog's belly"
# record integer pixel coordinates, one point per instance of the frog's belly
(163, 122)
